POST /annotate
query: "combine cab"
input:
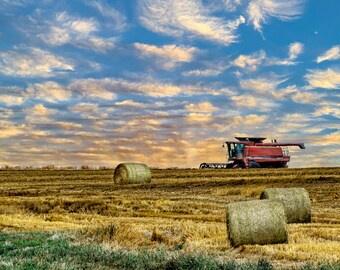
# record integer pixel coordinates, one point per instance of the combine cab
(254, 153)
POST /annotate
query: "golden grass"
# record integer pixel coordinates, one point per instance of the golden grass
(180, 209)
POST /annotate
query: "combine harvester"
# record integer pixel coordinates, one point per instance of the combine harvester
(254, 153)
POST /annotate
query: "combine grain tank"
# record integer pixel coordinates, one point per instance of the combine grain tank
(254, 153)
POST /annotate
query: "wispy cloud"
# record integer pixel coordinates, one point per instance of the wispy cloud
(259, 11)
(168, 55)
(328, 79)
(306, 97)
(119, 21)
(32, 62)
(295, 49)
(202, 107)
(255, 60)
(190, 18)
(252, 102)
(208, 72)
(11, 100)
(79, 32)
(48, 91)
(331, 54)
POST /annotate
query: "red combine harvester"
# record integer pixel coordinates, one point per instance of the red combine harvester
(254, 153)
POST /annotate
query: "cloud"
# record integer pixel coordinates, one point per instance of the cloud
(105, 88)
(11, 100)
(32, 62)
(328, 110)
(49, 91)
(250, 62)
(328, 139)
(209, 72)
(253, 61)
(39, 114)
(328, 79)
(262, 85)
(169, 55)
(203, 107)
(259, 11)
(119, 20)
(187, 18)
(250, 119)
(79, 32)
(295, 49)
(331, 54)
(306, 98)
(92, 88)
(251, 102)
(130, 103)
(10, 130)
(199, 117)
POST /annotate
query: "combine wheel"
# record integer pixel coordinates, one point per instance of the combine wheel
(204, 166)
(253, 164)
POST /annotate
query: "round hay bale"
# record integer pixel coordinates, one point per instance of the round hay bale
(132, 173)
(256, 222)
(295, 201)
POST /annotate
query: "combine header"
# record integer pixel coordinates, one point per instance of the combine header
(254, 153)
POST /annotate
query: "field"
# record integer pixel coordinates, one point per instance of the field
(181, 210)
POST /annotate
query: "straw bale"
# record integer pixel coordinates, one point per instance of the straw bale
(132, 173)
(256, 222)
(295, 201)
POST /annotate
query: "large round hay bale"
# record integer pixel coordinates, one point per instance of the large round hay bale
(256, 222)
(295, 201)
(132, 173)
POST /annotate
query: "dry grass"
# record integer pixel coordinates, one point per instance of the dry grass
(179, 210)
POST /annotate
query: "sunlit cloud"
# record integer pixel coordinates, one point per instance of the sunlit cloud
(190, 18)
(259, 11)
(168, 55)
(260, 59)
(328, 79)
(48, 91)
(208, 72)
(306, 97)
(331, 54)
(10, 130)
(79, 32)
(11, 100)
(203, 107)
(119, 21)
(262, 85)
(252, 102)
(33, 62)
(328, 110)
(92, 88)
(130, 103)
(295, 49)
(328, 139)
(39, 114)
(199, 117)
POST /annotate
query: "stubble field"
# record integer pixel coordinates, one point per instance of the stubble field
(182, 210)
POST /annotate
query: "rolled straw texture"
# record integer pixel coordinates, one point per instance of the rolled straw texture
(256, 222)
(295, 201)
(132, 173)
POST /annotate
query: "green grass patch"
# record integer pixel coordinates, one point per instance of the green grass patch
(38, 250)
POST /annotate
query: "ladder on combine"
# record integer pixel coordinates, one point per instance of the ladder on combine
(285, 151)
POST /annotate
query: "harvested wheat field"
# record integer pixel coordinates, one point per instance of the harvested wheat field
(181, 209)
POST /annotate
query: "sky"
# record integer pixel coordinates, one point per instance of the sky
(166, 82)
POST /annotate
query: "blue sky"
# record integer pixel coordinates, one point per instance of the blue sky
(166, 82)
